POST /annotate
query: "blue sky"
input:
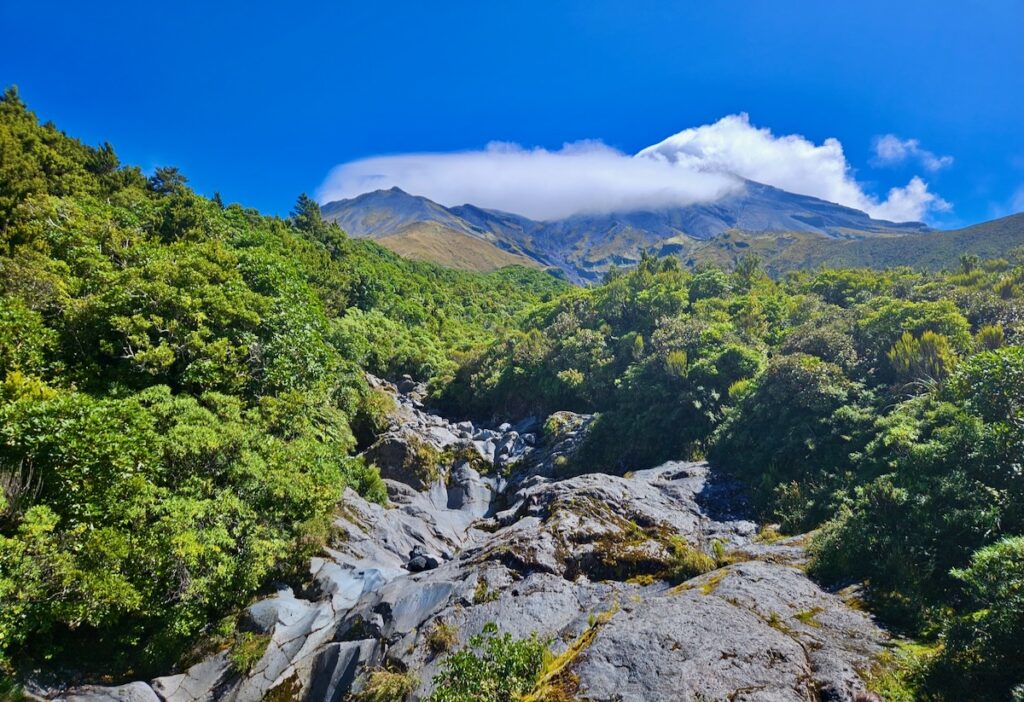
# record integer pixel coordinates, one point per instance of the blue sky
(260, 100)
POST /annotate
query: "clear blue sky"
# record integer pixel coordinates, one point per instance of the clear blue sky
(260, 99)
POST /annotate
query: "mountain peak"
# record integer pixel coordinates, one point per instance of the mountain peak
(585, 245)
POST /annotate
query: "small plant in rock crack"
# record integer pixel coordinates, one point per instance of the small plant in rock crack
(383, 685)
(248, 650)
(442, 637)
(483, 593)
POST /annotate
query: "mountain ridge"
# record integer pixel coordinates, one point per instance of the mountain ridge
(585, 246)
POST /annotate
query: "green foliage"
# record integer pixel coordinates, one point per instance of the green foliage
(885, 406)
(990, 337)
(182, 389)
(899, 674)
(179, 383)
(815, 418)
(883, 321)
(948, 484)
(688, 561)
(493, 668)
(26, 343)
(927, 357)
(247, 651)
(983, 646)
(482, 593)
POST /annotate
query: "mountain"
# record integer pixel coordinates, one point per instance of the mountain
(419, 228)
(431, 241)
(585, 246)
(935, 250)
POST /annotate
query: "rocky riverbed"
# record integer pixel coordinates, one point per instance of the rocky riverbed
(657, 584)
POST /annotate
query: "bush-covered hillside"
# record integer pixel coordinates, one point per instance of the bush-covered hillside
(179, 384)
(885, 407)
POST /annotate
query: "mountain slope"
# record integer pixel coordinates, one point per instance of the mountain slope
(585, 246)
(418, 228)
(432, 241)
(930, 251)
(384, 212)
(785, 251)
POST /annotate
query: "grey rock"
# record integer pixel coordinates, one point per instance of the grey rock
(132, 692)
(485, 449)
(198, 684)
(527, 425)
(264, 615)
(420, 561)
(689, 646)
(337, 667)
(468, 491)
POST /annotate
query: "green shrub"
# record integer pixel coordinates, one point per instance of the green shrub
(927, 357)
(688, 561)
(990, 337)
(247, 651)
(815, 418)
(984, 652)
(492, 668)
(184, 377)
(483, 593)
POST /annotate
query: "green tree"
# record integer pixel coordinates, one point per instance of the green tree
(167, 180)
(493, 668)
(793, 436)
(305, 216)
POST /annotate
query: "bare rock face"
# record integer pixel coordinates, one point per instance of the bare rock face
(750, 631)
(655, 582)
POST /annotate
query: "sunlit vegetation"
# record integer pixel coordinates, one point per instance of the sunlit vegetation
(886, 407)
(180, 382)
(182, 396)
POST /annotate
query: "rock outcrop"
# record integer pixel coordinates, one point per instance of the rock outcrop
(656, 583)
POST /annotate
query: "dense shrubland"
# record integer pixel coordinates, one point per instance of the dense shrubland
(180, 387)
(885, 407)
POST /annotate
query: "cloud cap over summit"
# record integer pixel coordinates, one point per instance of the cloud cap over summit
(697, 165)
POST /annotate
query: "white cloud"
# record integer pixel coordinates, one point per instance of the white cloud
(1017, 201)
(581, 177)
(912, 202)
(790, 162)
(700, 164)
(891, 150)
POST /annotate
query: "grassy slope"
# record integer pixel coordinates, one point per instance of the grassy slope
(430, 241)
